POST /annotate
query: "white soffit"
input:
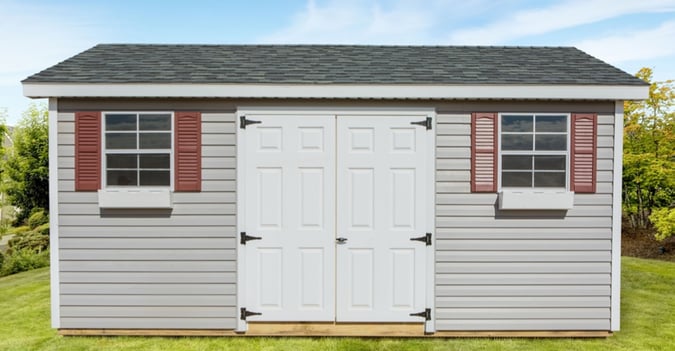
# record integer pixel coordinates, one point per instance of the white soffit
(340, 91)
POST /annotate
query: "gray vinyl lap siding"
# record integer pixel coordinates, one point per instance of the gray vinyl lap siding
(494, 270)
(519, 270)
(149, 268)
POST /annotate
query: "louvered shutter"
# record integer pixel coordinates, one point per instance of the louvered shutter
(87, 151)
(484, 152)
(583, 162)
(188, 151)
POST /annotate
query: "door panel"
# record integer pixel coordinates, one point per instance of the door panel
(361, 279)
(380, 205)
(290, 204)
(310, 179)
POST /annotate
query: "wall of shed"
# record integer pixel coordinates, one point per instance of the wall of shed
(519, 270)
(494, 270)
(150, 269)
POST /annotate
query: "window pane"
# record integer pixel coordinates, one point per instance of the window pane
(120, 140)
(551, 124)
(549, 163)
(120, 121)
(514, 123)
(517, 179)
(551, 142)
(516, 162)
(155, 178)
(549, 179)
(516, 141)
(155, 140)
(121, 161)
(155, 122)
(122, 178)
(155, 161)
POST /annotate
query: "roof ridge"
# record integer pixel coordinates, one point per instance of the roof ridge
(339, 45)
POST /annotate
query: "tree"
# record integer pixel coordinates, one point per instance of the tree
(649, 152)
(664, 222)
(3, 130)
(25, 167)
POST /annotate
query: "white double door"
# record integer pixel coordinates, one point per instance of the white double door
(335, 201)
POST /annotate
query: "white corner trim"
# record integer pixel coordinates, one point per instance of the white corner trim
(340, 91)
(134, 198)
(615, 318)
(54, 269)
(430, 279)
(533, 200)
(242, 326)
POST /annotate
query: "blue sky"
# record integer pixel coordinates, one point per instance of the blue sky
(35, 34)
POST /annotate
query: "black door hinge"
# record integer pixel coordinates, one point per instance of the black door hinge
(425, 239)
(426, 314)
(244, 238)
(243, 313)
(424, 123)
(243, 122)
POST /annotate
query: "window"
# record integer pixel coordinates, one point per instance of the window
(534, 151)
(137, 149)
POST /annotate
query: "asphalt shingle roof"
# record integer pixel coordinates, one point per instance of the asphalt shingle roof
(333, 64)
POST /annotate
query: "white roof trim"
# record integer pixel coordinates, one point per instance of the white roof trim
(347, 91)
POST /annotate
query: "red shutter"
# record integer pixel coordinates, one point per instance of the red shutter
(484, 152)
(188, 151)
(87, 151)
(583, 155)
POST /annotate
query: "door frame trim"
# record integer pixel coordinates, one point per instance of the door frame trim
(429, 326)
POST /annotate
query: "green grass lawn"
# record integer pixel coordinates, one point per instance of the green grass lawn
(648, 323)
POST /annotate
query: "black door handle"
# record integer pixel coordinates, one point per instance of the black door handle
(341, 240)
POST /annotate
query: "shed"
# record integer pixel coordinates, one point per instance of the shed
(335, 190)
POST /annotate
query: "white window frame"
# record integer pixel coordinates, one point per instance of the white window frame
(567, 153)
(104, 152)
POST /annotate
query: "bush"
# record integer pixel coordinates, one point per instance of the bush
(24, 260)
(664, 222)
(30, 240)
(19, 230)
(37, 218)
(42, 229)
(4, 229)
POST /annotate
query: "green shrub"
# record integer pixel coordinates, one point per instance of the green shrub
(2, 260)
(24, 260)
(664, 222)
(37, 218)
(19, 230)
(42, 229)
(4, 228)
(30, 240)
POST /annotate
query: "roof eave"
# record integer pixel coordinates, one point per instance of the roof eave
(338, 91)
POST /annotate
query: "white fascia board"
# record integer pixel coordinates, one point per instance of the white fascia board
(340, 91)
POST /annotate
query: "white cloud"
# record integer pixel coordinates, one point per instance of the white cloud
(562, 15)
(372, 22)
(642, 45)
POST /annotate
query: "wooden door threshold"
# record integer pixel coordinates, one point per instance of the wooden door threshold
(335, 329)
